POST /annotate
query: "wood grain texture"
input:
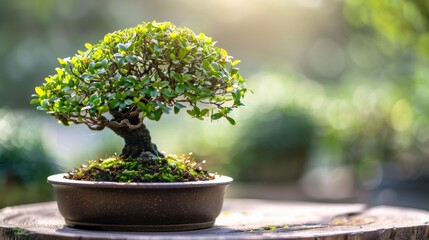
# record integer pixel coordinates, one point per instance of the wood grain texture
(241, 219)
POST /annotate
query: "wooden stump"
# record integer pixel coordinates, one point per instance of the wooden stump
(241, 219)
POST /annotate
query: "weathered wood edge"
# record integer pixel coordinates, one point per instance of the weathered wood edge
(327, 232)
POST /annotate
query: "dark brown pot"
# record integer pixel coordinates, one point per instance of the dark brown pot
(140, 206)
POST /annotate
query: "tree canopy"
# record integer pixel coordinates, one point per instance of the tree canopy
(145, 72)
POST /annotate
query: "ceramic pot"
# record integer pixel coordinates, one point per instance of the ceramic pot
(139, 206)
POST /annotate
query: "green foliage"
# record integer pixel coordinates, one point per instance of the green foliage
(404, 24)
(153, 69)
(16, 233)
(24, 163)
(273, 147)
(23, 159)
(392, 118)
(172, 168)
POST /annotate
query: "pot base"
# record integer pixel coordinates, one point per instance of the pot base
(114, 206)
(142, 228)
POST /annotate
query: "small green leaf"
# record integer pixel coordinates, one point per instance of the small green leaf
(154, 93)
(129, 79)
(103, 109)
(145, 81)
(176, 77)
(130, 59)
(182, 53)
(121, 61)
(129, 102)
(151, 116)
(142, 106)
(118, 55)
(217, 116)
(104, 63)
(235, 62)
(191, 112)
(114, 104)
(40, 91)
(62, 62)
(34, 101)
(206, 64)
(93, 97)
(101, 71)
(225, 110)
(167, 93)
(122, 105)
(197, 111)
(178, 107)
(180, 88)
(130, 46)
(204, 112)
(96, 102)
(230, 120)
(162, 84)
(165, 109)
(149, 107)
(123, 47)
(158, 114)
(237, 97)
(215, 66)
(97, 65)
(234, 71)
(91, 67)
(88, 45)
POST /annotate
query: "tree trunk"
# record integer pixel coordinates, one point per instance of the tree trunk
(138, 143)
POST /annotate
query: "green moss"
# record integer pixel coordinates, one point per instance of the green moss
(16, 233)
(270, 228)
(172, 168)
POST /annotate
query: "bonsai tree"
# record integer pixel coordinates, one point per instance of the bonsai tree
(142, 73)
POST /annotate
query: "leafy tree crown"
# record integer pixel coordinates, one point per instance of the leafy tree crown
(145, 71)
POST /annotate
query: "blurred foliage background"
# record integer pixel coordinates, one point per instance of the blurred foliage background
(339, 113)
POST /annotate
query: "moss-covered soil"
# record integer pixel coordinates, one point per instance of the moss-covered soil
(172, 168)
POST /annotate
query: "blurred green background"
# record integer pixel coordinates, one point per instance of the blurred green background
(339, 110)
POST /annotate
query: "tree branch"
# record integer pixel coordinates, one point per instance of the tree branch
(125, 123)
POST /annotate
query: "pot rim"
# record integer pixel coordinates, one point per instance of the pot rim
(58, 179)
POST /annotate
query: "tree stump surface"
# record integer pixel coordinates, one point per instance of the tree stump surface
(241, 219)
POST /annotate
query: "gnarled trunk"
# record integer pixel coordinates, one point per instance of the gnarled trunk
(138, 142)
